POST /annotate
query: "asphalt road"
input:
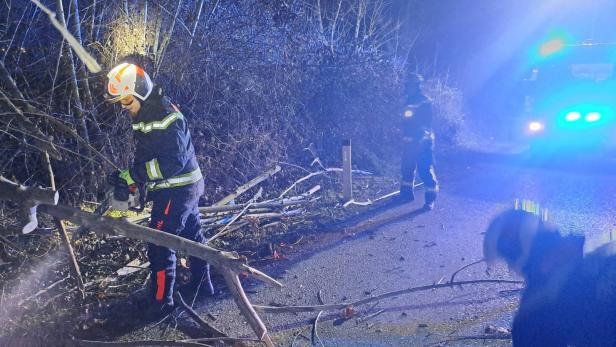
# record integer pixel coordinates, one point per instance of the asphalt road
(426, 248)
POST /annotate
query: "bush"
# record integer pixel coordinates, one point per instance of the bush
(258, 80)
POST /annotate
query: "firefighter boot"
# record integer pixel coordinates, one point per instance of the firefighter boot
(430, 198)
(200, 284)
(150, 309)
(161, 295)
(406, 193)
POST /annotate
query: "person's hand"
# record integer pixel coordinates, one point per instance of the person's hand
(125, 176)
(120, 178)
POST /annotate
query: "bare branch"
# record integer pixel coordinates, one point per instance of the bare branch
(81, 52)
(253, 182)
(316, 308)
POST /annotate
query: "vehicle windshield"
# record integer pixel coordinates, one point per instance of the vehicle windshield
(592, 72)
(590, 63)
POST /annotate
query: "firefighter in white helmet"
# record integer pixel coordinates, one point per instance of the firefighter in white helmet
(165, 163)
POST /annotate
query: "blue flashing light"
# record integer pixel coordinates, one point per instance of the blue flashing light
(550, 47)
(573, 116)
(593, 117)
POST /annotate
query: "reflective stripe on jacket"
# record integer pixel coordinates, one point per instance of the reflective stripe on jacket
(177, 181)
(164, 155)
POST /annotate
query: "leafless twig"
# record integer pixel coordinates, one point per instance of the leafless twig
(81, 52)
(315, 333)
(222, 232)
(453, 276)
(253, 182)
(363, 319)
(330, 307)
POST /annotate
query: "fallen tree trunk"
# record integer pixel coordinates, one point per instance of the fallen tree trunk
(119, 227)
(228, 263)
(28, 198)
(10, 190)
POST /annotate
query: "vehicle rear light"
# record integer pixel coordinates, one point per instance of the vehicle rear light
(592, 117)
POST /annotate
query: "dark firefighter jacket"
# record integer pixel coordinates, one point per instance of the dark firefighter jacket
(572, 305)
(418, 116)
(165, 156)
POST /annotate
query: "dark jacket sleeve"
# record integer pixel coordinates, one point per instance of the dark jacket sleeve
(419, 121)
(170, 153)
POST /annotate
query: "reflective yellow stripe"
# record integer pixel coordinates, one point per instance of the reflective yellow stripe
(157, 125)
(432, 189)
(153, 170)
(177, 181)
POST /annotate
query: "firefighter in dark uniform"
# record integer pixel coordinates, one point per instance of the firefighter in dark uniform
(417, 144)
(570, 298)
(165, 163)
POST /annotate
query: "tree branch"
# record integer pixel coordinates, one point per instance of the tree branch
(331, 307)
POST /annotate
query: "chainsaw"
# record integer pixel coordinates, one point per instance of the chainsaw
(122, 197)
(119, 197)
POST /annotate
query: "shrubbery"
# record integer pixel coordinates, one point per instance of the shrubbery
(258, 80)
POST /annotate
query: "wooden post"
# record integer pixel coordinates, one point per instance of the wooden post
(347, 183)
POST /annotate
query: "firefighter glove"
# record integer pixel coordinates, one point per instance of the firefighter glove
(120, 178)
(124, 175)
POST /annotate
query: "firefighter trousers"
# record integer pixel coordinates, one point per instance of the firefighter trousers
(175, 211)
(418, 157)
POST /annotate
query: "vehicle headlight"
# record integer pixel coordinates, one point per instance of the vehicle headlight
(572, 116)
(592, 117)
(535, 126)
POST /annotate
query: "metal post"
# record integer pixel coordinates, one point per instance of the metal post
(347, 184)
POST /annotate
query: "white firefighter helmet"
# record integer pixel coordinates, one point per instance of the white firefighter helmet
(510, 237)
(128, 79)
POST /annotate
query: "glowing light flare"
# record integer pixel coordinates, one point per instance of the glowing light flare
(572, 116)
(535, 126)
(592, 117)
(550, 47)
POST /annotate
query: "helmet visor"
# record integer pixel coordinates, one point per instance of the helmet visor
(112, 99)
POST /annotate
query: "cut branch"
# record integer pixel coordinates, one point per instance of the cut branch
(331, 307)
(235, 286)
(225, 230)
(317, 173)
(253, 182)
(164, 343)
(273, 204)
(111, 226)
(22, 194)
(227, 263)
